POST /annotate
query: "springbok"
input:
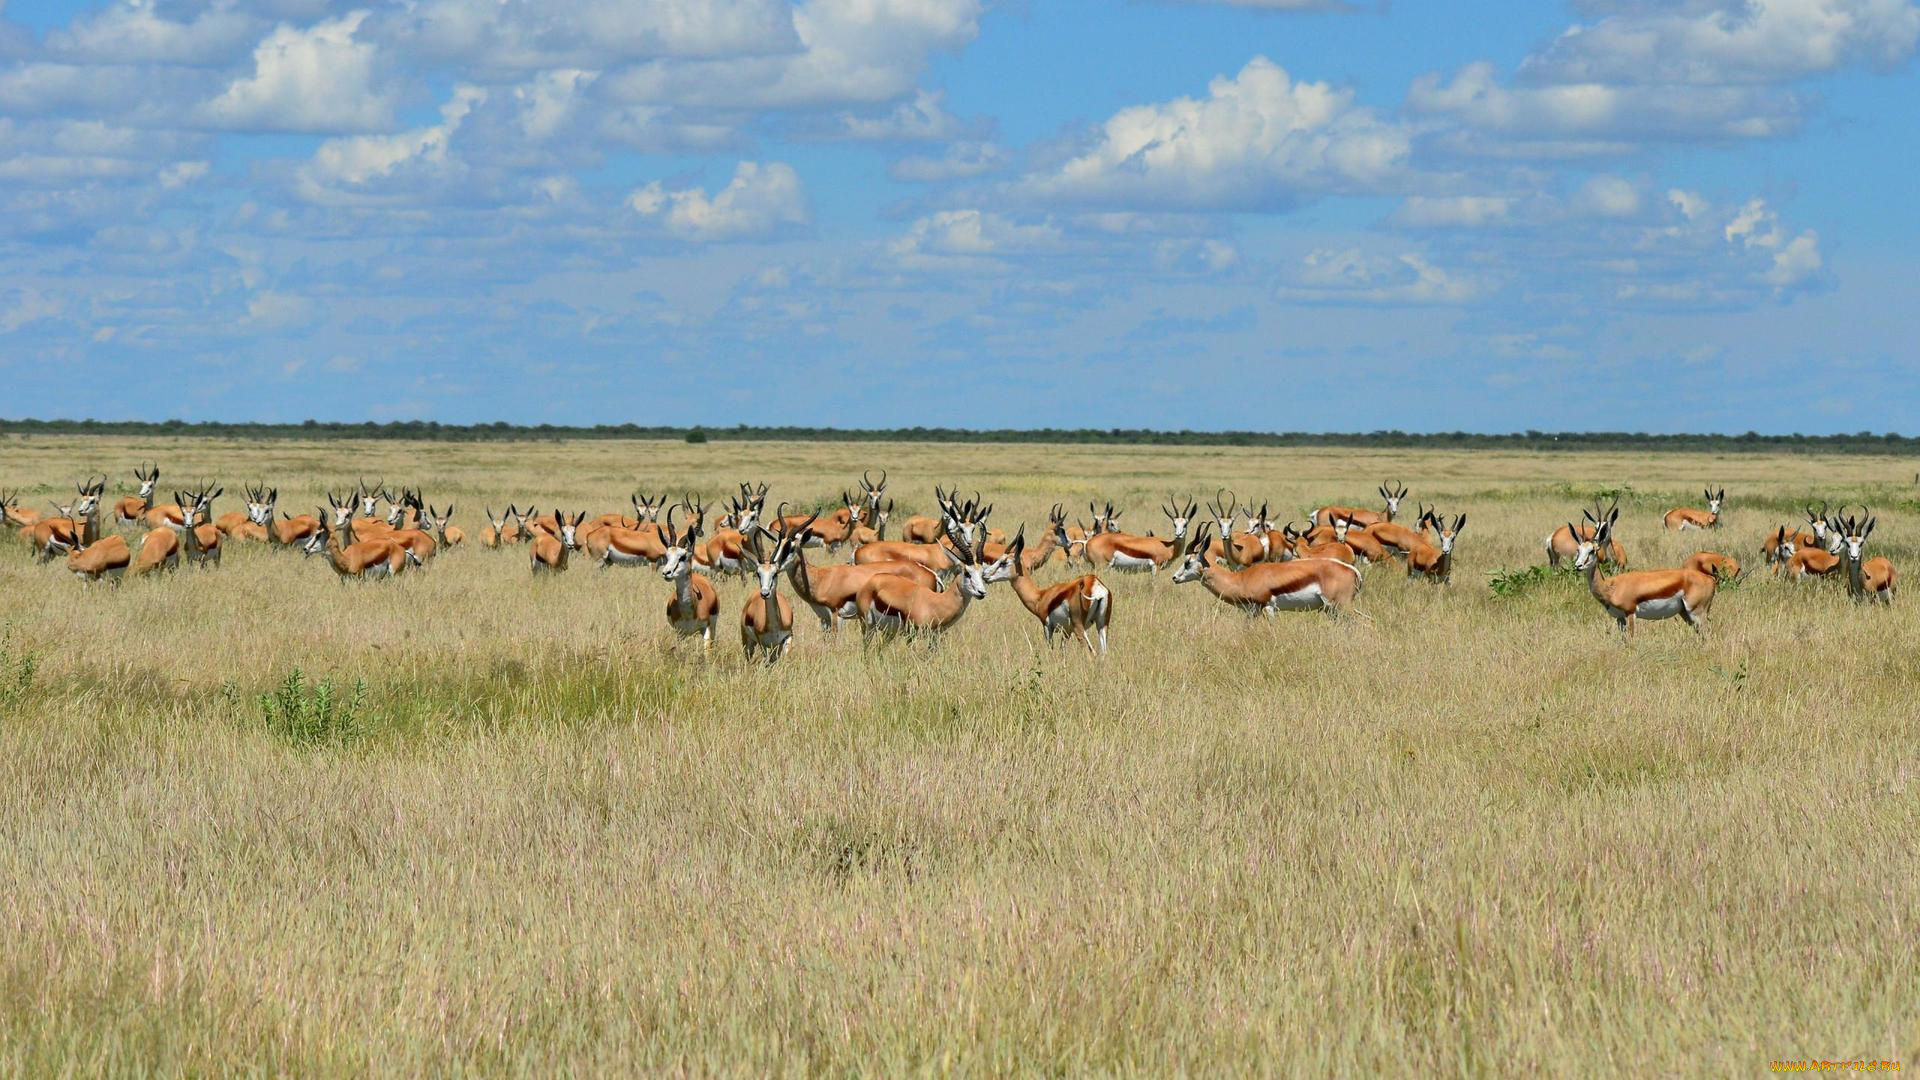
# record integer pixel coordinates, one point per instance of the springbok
(890, 605)
(1801, 563)
(448, 534)
(106, 557)
(694, 607)
(766, 620)
(199, 538)
(1723, 568)
(359, 560)
(921, 529)
(1082, 606)
(1131, 554)
(1299, 545)
(76, 526)
(1564, 542)
(1434, 561)
(159, 550)
(254, 522)
(131, 508)
(1294, 585)
(1239, 549)
(830, 591)
(12, 516)
(550, 551)
(293, 530)
(1682, 517)
(1644, 594)
(1871, 579)
(1326, 515)
(1394, 538)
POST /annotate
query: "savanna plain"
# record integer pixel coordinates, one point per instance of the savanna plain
(255, 820)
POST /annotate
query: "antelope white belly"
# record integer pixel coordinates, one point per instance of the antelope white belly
(848, 610)
(379, 569)
(1685, 525)
(1130, 563)
(1307, 599)
(616, 557)
(1060, 618)
(1665, 608)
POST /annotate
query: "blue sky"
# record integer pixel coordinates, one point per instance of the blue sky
(1660, 215)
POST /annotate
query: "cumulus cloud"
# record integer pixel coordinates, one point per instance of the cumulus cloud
(1259, 139)
(969, 238)
(1590, 117)
(1453, 211)
(361, 159)
(962, 160)
(320, 79)
(761, 200)
(1352, 276)
(1730, 41)
(531, 35)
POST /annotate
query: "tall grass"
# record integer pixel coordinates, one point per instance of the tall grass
(1476, 835)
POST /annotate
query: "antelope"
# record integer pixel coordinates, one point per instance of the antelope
(1435, 561)
(834, 529)
(448, 534)
(1082, 606)
(1363, 518)
(1239, 549)
(725, 552)
(870, 493)
(105, 557)
(1297, 545)
(131, 508)
(1644, 594)
(937, 558)
(1564, 542)
(890, 605)
(1079, 533)
(1682, 518)
(864, 534)
(830, 591)
(766, 620)
(77, 525)
(921, 529)
(1124, 552)
(550, 551)
(1294, 585)
(1801, 563)
(378, 557)
(1723, 568)
(159, 550)
(199, 540)
(1873, 579)
(1394, 538)
(292, 530)
(695, 605)
(1052, 542)
(502, 530)
(1363, 543)
(11, 514)
(231, 521)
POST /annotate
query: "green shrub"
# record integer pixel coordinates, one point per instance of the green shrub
(16, 671)
(313, 714)
(1513, 584)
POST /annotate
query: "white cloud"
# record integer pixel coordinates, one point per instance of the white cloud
(182, 173)
(1590, 111)
(360, 159)
(135, 32)
(1732, 41)
(1453, 211)
(970, 240)
(760, 200)
(1798, 261)
(1357, 277)
(1258, 139)
(549, 100)
(320, 79)
(924, 116)
(1607, 197)
(531, 35)
(961, 161)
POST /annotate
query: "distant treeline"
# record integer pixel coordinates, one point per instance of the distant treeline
(425, 430)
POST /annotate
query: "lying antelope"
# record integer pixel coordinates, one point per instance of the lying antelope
(12, 516)
(377, 557)
(1644, 594)
(1363, 518)
(131, 508)
(448, 534)
(550, 551)
(106, 557)
(199, 538)
(1132, 554)
(1434, 561)
(1295, 585)
(1800, 563)
(1869, 579)
(293, 530)
(766, 620)
(1297, 545)
(892, 605)
(695, 605)
(1681, 518)
(76, 526)
(159, 550)
(1722, 568)
(1082, 606)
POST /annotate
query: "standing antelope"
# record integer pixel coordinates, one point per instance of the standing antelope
(1644, 594)
(1295, 585)
(1128, 553)
(766, 620)
(695, 605)
(1564, 543)
(830, 591)
(199, 538)
(1326, 515)
(131, 508)
(1082, 606)
(1872, 579)
(1241, 549)
(1435, 561)
(892, 605)
(550, 551)
(1682, 517)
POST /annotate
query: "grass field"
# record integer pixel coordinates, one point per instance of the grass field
(1475, 835)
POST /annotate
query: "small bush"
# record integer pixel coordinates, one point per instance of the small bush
(313, 714)
(696, 436)
(17, 670)
(1513, 584)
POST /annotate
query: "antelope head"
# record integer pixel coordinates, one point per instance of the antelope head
(871, 491)
(149, 477)
(1393, 498)
(1195, 564)
(678, 561)
(1182, 516)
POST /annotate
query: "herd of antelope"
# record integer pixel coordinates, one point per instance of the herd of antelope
(922, 582)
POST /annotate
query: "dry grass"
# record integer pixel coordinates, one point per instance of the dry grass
(1474, 836)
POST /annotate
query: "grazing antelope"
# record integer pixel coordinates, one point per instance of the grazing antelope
(12, 515)
(1328, 514)
(1871, 579)
(1435, 561)
(550, 551)
(1082, 606)
(766, 620)
(695, 605)
(1294, 585)
(1682, 517)
(1644, 594)
(377, 557)
(106, 557)
(1800, 563)
(199, 538)
(830, 591)
(1131, 554)
(1564, 543)
(890, 605)
(131, 508)
(159, 550)
(1722, 568)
